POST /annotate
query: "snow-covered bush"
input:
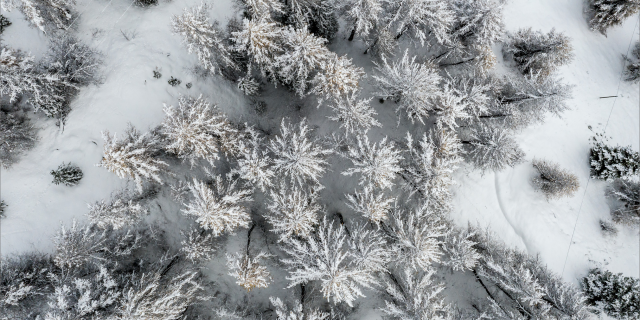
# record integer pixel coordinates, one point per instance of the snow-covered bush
(633, 68)
(421, 19)
(355, 116)
(203, 38)
(46, 15)
(123, 209)
(493, 149)
(293, 212)
(610, 13)
(17, 134)
(195, 130)
(134, 156)
(325, 257)
(220, 206)
(248, 271)
(627, 193)
(553, 181)
(409, 84)
(4, 22)
(616, 295)
(377, 164)
(535, 52)
(67, 174)
(3, 207)
(297, 156)
(610, 163)
(73, 60)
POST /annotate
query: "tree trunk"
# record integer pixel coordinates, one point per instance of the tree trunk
(353, 32)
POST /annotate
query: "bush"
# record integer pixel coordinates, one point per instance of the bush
(2, 207)
(608, 228)
(628, 194)
(553, 181)
(535, 52)
(616, 295)
(609, 163)
(146, 3)
(73, 60)
(67, 174)
(17, 136)
(4, 22)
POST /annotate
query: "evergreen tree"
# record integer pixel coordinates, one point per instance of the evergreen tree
(46, 15)
(414, 296)
(355, 116)
(610, 13)
(3, 207)
(254, 163)
(363, 15)
(74, 61)
(198, 245)
(627, 192)
(609, 163)
(203, 38)
(493, 149)
(296, 312)
(478, 22)
(377, 164)
(4, 23)
(409, 84)
(261, 40)
(133, 157)
(633, 67)
(553, 181)
(293, 212)
(17, 134)
(420, 19)
(337, 77)
(616, 295)
(537, 53)
(67, 174)
(263, 9)
(123, 209)
(372, 205)
(247, 270)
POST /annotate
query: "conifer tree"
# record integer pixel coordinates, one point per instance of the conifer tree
(414, 296)
(337, 77)
(363, 15)
(261, 40)
(247, 270)
(17, 134)
(123, 209)
(538, 53)
(627, 192)
(377, 164)
(420, 19)
(633, 65)
(493, 149)
(616, 295)
(609, 163)
(355, 116)
(610, 13)
(293, 212)
(372, 205)
(67, 174)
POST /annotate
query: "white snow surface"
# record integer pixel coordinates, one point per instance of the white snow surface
(505, 202)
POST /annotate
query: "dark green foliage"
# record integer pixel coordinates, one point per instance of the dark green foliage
(4, 22)
(627, 193)
(157, 74)
(146, 3)
(188, 85)
(67, 174)
(174, 82)
(616, 295)
(610, 163)
(633, 68)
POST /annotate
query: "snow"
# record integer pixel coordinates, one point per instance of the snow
(506, 201)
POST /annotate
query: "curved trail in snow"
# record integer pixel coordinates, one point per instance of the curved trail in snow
(504, 212)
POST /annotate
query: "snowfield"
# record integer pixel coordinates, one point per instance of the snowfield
(565, 232)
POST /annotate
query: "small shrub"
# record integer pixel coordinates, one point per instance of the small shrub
(610, 163)
(3, 205)
(174, 82)
(535, 52)
(4, 22)
(67, 174)
(628, 194)
(157, 74)
(608, 228)
(188, 85)
(260, 107)
(146, 3)
(553, 181)
(616, 295)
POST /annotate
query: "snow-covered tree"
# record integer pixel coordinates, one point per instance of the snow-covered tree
(492, 148)
(220, 206)
(298, 157)
(369, 248)
(67, 174)
(17, 134)
(254, 164)
(296, 312)
(553, 181)
(616, 295)
(355, 116)
(414, 296)
(363, 15)
(122, 210)
(247, 84)
(301, 12)
(73, 60)
(197, 130)
(421, 19)
(633, 67)
(134, 156)
(409, 84)
(198, 245)
(20, 76)
(154, 297)
(478, 22)
(263, 9)
(610, 13)
(627, 192)
(203, 38)
(324, 257)
(430, 164)
(377, 164)
(24, 279)
(372, 205)
(46, 15)
(337, 77)
(384, 43)
(459, 250)
(449, 107)
(248, 271)
(303, 54)
(535, 52)
(612, 162)
(475, 90)
(416, 237)
(293, 211)
(261, 39)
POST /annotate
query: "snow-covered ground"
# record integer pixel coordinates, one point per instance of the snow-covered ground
(505, 201)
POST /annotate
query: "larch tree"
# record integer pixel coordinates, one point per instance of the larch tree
(493, 149)
(371, 204)
(420, 19)
(123, 209)
(537, 53)
(262, 40)
(363, 15)
(414, 296)
(355, 115)
(377, 164)
(337, 77)
(293, 212)
(248, 271)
